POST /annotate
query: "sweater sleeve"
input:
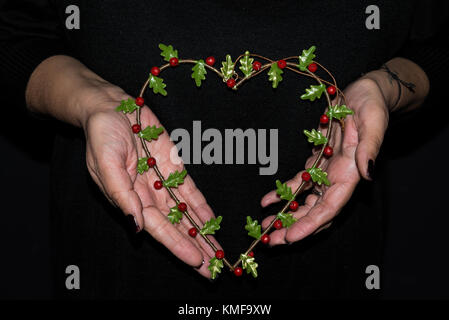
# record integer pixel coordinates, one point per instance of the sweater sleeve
(29, 33)
(428, 45)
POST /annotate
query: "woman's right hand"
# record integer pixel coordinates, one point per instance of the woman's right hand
(112, 152)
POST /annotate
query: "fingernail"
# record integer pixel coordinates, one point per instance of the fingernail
(200, 265)
(370, 172)
(133, 225)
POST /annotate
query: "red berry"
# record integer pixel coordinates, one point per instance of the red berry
(331, 90)
(251, 254)
(278, 224)
(151, 162)
(219, 254)
(158, 185)
(306, 176)
(257, 65)
(230, 83)
(182, 207)
(328, 151)
(324, 119)
(173, 61)
(210, 61)
(238, 271)
(155, 71)
(282, 64)
(139, 101)
(193, 232)
(294, 205)
(265, 238)
(136, 128)
(312, 67)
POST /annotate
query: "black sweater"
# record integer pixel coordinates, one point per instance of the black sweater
(119, 42)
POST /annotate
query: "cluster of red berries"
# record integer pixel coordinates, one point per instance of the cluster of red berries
(210, 61)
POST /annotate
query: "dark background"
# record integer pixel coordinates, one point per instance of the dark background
(411, 167)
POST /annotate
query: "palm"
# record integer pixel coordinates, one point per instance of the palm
(112, 156)
(360, 141)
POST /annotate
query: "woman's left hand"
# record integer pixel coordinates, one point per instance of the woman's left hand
(354, 153)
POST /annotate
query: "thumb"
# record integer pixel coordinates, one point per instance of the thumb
(372, 122)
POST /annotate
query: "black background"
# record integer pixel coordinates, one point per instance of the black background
(411, 167)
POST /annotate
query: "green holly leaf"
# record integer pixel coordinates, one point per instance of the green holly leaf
(284, 191)
(228, 68)
(199, 72)
(175, 215)
(315, 137)
(339, 112)
(175, 178)
(215, 266)
(142, 165)
(287, 219)
(274, 74)
(127, 106)
(314, 92)
(253, 228)
(168, 52)
(211, 226)
(249, 264)
(246, 64)
(158, 85)
(151, 133)
(319, 176)
(306, 58)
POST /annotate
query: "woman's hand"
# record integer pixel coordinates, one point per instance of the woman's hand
(355, 149)
(112, 153)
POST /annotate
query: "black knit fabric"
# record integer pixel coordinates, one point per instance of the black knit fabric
(119, 42)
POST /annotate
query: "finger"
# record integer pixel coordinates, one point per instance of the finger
(322, 212)
(118, 186)
(160, 228)
(278, 236)
(185, 225)
(203, 270)
(372, 121)
(326, 226)
(195, 199)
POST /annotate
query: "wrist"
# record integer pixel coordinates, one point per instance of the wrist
(65, 89)
(95, 96)
(388, 88)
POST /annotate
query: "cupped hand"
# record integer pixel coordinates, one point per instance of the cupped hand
(354, 152)
(112, 155)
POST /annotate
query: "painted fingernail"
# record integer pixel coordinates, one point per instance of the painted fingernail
(200, 265)
(133, 225)
(370, 172)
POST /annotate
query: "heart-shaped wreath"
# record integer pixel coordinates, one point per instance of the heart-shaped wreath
(303, 65)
